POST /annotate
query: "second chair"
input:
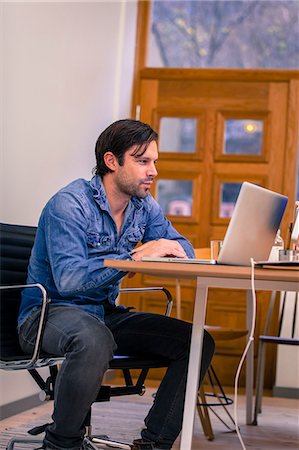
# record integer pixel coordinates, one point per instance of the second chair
(212, 382)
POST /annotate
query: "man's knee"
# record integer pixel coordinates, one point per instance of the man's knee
(208, 344)
(94, 342)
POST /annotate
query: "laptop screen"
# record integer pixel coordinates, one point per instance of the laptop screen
(253, 225)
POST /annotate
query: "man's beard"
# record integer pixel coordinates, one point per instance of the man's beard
(133, 190)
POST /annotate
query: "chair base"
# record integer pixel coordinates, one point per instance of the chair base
(102, 442)
(89, 443)
(220, 399)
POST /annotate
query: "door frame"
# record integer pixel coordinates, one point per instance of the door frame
(291, 77)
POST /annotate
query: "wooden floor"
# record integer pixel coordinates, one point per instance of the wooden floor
(122, 419)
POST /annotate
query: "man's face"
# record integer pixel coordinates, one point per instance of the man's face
(136, 176)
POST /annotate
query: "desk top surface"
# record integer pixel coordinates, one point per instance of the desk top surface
(177, 270)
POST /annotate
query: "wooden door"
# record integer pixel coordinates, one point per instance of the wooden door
(218, 129)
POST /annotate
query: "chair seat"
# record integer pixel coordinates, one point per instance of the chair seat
(225, 334)
(118, 362)
(279, 340)
(22, 362)
(25, 357)
(137, 362)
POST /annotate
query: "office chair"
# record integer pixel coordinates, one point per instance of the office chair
(284, 335)
(209, 401)
(16, 243)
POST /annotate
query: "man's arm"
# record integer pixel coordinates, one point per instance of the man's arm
(74, 271)
(161, 238)
(159, 247)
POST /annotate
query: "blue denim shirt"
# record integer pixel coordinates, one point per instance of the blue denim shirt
(76, 232)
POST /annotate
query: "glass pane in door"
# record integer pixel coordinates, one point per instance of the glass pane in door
(177, 134)
(243, 137)
(175, 196)
(228, 196)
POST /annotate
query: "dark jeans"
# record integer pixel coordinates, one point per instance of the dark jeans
(88, 345)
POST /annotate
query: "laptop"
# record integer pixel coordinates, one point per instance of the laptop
(251, 231)
(294, 240)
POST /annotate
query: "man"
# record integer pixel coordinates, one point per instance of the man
(81, 225)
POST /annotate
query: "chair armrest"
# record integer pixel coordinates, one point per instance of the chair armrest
(43, 316)
(148, 289)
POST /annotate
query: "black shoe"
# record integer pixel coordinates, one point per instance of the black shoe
(52, 448)
(47, 447)
(142, 444)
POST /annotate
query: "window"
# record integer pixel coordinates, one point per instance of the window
(224, 34)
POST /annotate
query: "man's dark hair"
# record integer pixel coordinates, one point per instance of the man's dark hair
(118, 138)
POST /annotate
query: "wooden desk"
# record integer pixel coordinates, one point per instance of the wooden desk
(220, 277)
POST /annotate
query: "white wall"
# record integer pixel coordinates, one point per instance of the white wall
(67, 73)
(63, 63)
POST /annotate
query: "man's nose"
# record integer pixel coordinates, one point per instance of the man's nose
(152, 171)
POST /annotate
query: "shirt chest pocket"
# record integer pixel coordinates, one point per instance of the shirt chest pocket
(98, 242)
(134, 236)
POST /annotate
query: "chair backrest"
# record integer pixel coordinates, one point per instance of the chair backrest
(288, 327)
(16, 243)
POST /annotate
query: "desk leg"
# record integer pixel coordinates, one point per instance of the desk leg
(249, 361)
(194, 365)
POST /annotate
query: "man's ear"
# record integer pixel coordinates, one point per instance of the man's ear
(110, 161)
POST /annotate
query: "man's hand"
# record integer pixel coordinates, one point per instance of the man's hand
(160, 247)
